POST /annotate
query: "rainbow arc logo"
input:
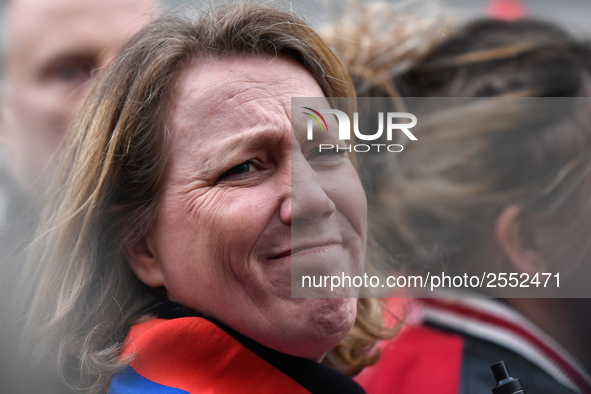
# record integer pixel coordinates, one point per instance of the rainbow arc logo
(387, 122)
(315, 118)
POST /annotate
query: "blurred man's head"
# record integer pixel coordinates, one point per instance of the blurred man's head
(51, 48)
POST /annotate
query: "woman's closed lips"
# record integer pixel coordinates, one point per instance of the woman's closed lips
(307, 248)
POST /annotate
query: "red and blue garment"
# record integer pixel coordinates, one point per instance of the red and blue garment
(180, 351)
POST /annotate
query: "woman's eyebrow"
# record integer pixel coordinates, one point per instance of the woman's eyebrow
(260, 136)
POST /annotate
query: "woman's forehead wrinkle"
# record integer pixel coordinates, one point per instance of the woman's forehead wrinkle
(251, 109)
(244, 121)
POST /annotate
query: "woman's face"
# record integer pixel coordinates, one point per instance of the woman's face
(233, 220)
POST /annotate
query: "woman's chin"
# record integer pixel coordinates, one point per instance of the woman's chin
(333, 316)
(327, 321)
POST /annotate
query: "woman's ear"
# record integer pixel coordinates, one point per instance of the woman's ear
(143, 261)
(518, 237)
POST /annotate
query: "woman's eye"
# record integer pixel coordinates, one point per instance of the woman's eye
(239, 170)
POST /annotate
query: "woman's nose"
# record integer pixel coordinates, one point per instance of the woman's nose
(307, 200)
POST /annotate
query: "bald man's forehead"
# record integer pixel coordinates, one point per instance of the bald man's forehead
(40, 31)
(25, 16)
(36, 8)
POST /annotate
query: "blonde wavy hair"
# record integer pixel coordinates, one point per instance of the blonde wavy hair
(379, 42)
(529, 144)
(108, 187)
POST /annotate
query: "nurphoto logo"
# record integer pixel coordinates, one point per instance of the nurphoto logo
(344, 124)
